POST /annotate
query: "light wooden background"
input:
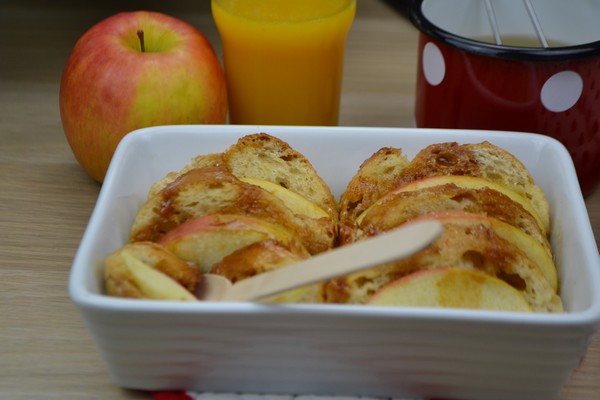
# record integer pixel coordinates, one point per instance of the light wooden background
(46, 198)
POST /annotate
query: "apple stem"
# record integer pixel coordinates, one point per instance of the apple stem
(140, 34)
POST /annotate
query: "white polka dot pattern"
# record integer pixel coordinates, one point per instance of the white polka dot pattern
(561, 91)
(434, 66)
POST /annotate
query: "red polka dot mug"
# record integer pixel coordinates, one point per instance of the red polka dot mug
(513, 66)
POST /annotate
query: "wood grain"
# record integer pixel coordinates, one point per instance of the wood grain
(46, 199)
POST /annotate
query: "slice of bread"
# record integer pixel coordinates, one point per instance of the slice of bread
(483, 160)
(399, 206)
(213, 190)
(255, 259)
(261, 257)
(198, 162)
(266, 157)
(471, 182)
(375, 177)
(516, 237)
(120, 281)
(466, 244)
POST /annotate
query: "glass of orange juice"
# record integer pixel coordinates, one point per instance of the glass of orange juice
(283, 59)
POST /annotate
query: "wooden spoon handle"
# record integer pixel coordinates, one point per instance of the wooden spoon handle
(390, 246)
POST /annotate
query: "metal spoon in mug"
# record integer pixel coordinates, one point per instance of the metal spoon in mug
(387, 247)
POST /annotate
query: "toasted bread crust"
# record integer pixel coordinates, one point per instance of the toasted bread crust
(375, 177)
(483, 160)
(398, 207)
(118, 283)
(266, 157)
(198, 162)
(265, 256)
(214, 189)
(255, 259)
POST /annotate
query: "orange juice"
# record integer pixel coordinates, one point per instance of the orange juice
(283, 59)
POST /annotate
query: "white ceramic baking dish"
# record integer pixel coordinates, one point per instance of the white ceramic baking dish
(336, 349)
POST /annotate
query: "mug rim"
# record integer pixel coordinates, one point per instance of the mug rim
(519, 53)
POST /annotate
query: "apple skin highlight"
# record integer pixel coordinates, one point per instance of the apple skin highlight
(109, 87)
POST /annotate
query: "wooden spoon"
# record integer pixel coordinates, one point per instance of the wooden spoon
(390, 246)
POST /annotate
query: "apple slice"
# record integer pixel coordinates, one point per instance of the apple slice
(119, 280)
(452, 193)
(128, 276)
(207, 240)
(468, 182)
(295, 202)
(477, 183)
(452, 288)
(214, 190)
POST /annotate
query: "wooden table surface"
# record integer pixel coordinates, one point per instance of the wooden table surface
(46, 198)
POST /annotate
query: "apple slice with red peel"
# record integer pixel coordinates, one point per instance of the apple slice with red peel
(468, 182)
(207, 240)
(452, 193)
(451, 288)
(478, 183)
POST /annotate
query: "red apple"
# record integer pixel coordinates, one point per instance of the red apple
(134, 70)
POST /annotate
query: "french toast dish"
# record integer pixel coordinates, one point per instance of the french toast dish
(261, 205)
